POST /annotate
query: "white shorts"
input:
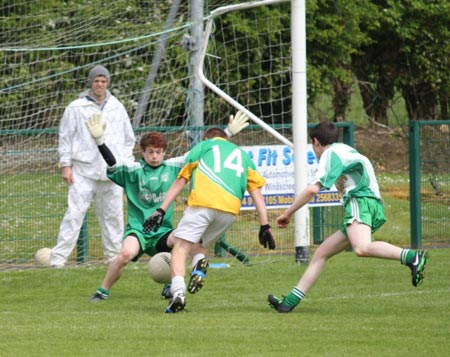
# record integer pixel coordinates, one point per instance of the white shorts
(205, 225)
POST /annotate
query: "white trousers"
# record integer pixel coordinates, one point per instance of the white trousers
(108, 201)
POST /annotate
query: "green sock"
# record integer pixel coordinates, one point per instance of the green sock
(407, 256)
(103, 291)
(294, 297)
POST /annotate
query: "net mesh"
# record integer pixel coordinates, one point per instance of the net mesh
(47, 49)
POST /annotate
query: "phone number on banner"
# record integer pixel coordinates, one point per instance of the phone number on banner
(327, 198)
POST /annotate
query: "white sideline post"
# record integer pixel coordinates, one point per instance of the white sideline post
(300, 125)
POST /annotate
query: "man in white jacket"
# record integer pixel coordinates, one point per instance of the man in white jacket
(84, 169)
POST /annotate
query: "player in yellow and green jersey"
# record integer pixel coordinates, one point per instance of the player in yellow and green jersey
(220, 172)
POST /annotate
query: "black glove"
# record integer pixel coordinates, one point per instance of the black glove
(266, 237)
(153, 222)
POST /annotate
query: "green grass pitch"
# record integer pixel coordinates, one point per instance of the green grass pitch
(359, 307)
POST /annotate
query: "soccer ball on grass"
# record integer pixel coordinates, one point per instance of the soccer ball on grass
(42, 257)
(159, 268)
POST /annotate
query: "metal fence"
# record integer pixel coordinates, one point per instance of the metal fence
(429, 157)
(33, 201)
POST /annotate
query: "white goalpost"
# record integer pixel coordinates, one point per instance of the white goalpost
(300, 124)
(299, 105)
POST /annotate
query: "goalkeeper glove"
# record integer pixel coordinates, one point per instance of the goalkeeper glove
(153, 222)
(266, 237)
(236, 124)
(96, 128)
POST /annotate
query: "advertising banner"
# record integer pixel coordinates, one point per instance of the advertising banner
(276, 164)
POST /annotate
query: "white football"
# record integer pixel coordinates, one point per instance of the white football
(42, 257)
(159, 268)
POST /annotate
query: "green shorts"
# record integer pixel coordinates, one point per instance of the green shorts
(366, 210)
(151, 243)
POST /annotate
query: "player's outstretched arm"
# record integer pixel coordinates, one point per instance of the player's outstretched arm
(97, 129)
(236, 123)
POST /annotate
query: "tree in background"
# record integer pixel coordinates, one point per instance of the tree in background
(408, 53)
(336, 30)
(382, 47)
(422, 28)
(386, 47)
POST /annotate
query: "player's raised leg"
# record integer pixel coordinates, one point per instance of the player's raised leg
(364, 247)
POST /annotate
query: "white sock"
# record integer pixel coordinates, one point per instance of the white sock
(196, 258)
(178, 286)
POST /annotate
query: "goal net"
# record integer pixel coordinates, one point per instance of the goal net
(46, 52)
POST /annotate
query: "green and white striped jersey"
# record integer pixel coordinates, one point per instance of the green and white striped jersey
(351, 173)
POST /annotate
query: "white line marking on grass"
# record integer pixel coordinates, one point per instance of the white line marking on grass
(382, 295)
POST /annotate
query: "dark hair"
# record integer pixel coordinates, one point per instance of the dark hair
(153, 138)
(325, 132)
(214, 132)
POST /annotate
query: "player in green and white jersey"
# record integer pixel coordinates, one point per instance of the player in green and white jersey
(145, 184)
(353, 175)
(220, 172)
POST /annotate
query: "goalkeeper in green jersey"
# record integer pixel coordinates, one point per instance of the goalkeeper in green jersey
(145, 184)
(353, 175)
(221, 172)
